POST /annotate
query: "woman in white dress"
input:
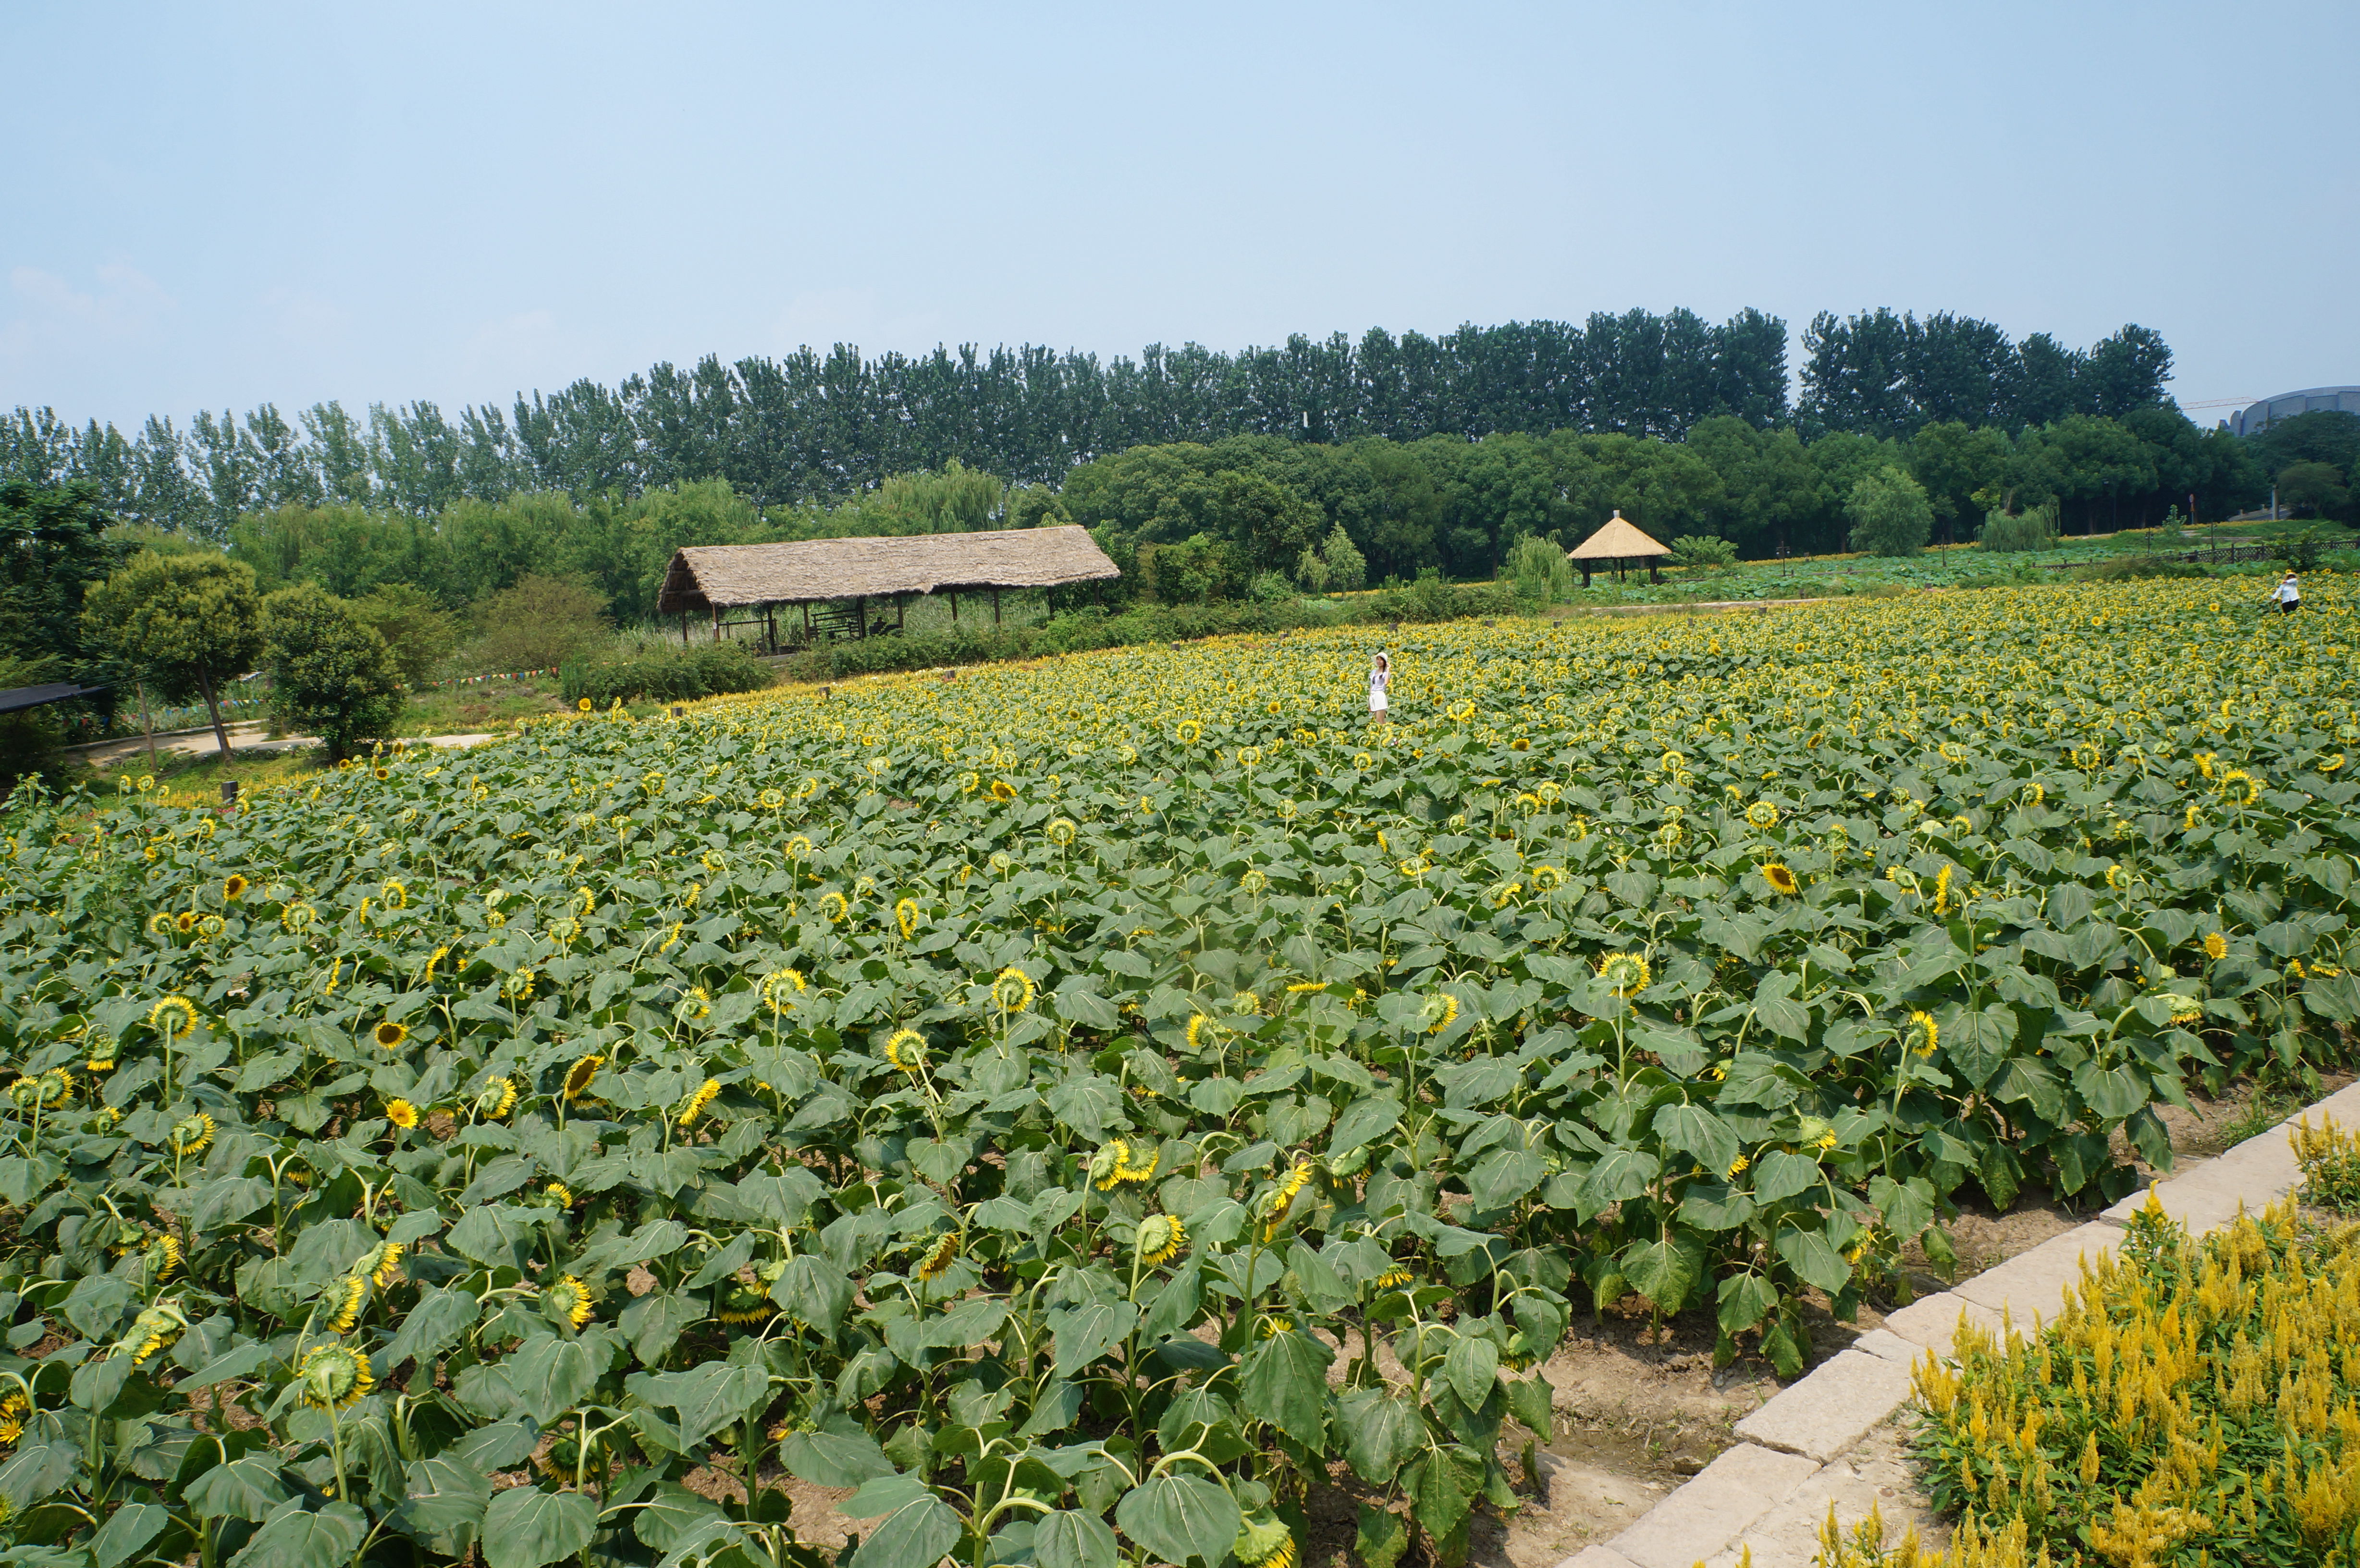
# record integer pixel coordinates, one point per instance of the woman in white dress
(1381, 673)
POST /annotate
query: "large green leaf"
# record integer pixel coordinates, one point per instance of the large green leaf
(914, 1535)
(1180, 1517)
(442, 1498)
(305, 1535)
(128, 1528)
(1283, 1381)
(1664, 1270)
(1381, 1430)
(705, 1399)
(526, 1527)
(1067, 1538)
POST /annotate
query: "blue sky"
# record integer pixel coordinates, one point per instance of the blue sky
(215, 205)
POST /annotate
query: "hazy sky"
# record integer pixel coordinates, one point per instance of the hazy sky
(215, 205)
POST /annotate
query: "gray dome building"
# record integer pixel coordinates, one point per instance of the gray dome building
(2287, 405)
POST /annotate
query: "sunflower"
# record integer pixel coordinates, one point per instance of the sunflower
(402, 1113)
(297, 918)
(1626, 973)
(2217, 946)
(162, 1256)
(333, 1377)
(1782, 881)
(938, 1259)
(234, 887)
(906, 1049)
(12, 1412)
(780, 986)
(582, 706)
(695, 1006)
(172, 1016)
(1440, 1011)
(905, 915)
(1264, 1542)
(348, 1312)
(578, 1076)
(698, 1101)
(1922, 1033)
(389, 1262)
(1111, 1165)
(1187, 731)
(740, 1303)
(1001, 789)
(395, 894)
(1060, 831)
(1158, 1240)
(1462, 710)
(191, 1134)
(1012, 990)
(568, 1301)
(391, 1034)
(834, 906)
(500, 1095)
(1393, 1279)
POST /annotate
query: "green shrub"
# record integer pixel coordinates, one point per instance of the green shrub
(1540, 571)
(2017, 531)
(331, 673)
(1707, 552)
(537, 625)
(421, 632)
(702, 670)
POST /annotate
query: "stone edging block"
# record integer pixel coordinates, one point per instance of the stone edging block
(1823, 1414)
(1721, 1499)
(2041, 1283)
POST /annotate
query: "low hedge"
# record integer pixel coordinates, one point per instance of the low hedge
(1081, 630)
(706, 669)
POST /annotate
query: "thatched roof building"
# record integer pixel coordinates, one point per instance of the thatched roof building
(1617, 539)
(1617, 543)
(715, 579)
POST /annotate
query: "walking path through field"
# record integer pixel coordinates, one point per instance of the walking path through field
(243, 739)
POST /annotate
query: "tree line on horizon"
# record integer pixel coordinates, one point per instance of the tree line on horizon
(812, 427)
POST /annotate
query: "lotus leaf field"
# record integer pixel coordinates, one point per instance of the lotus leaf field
(1086, 1107)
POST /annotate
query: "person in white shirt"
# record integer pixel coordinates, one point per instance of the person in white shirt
(2287, 596)
(1381, 673)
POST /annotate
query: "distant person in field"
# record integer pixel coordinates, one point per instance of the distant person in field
(1380, 675)
(2287, 595)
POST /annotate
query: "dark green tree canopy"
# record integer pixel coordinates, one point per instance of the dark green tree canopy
(53, 549)
(185, 623)
(331, 673)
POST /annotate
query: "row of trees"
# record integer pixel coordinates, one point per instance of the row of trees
(1324, 516)
(813, 427)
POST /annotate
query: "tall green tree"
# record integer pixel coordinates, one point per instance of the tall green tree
(188, 623)
(54, 549)
(1955, 462)
(331, 673)
(1889, 513)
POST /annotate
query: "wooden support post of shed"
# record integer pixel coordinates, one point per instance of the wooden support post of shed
(861, 616)
(953, 609)
(771, 627)
(716, 622)
(807, 625)
(901, 609)
(683, 629)
(994, 606)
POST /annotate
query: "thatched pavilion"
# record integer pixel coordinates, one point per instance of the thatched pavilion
(844, 574)
(1619, 544)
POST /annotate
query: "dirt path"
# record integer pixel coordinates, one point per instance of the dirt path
(243, 738)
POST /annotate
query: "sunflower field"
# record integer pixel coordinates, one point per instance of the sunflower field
(1087, 1107)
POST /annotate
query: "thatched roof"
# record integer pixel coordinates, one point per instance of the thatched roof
(1616, 540)
(720, 576)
